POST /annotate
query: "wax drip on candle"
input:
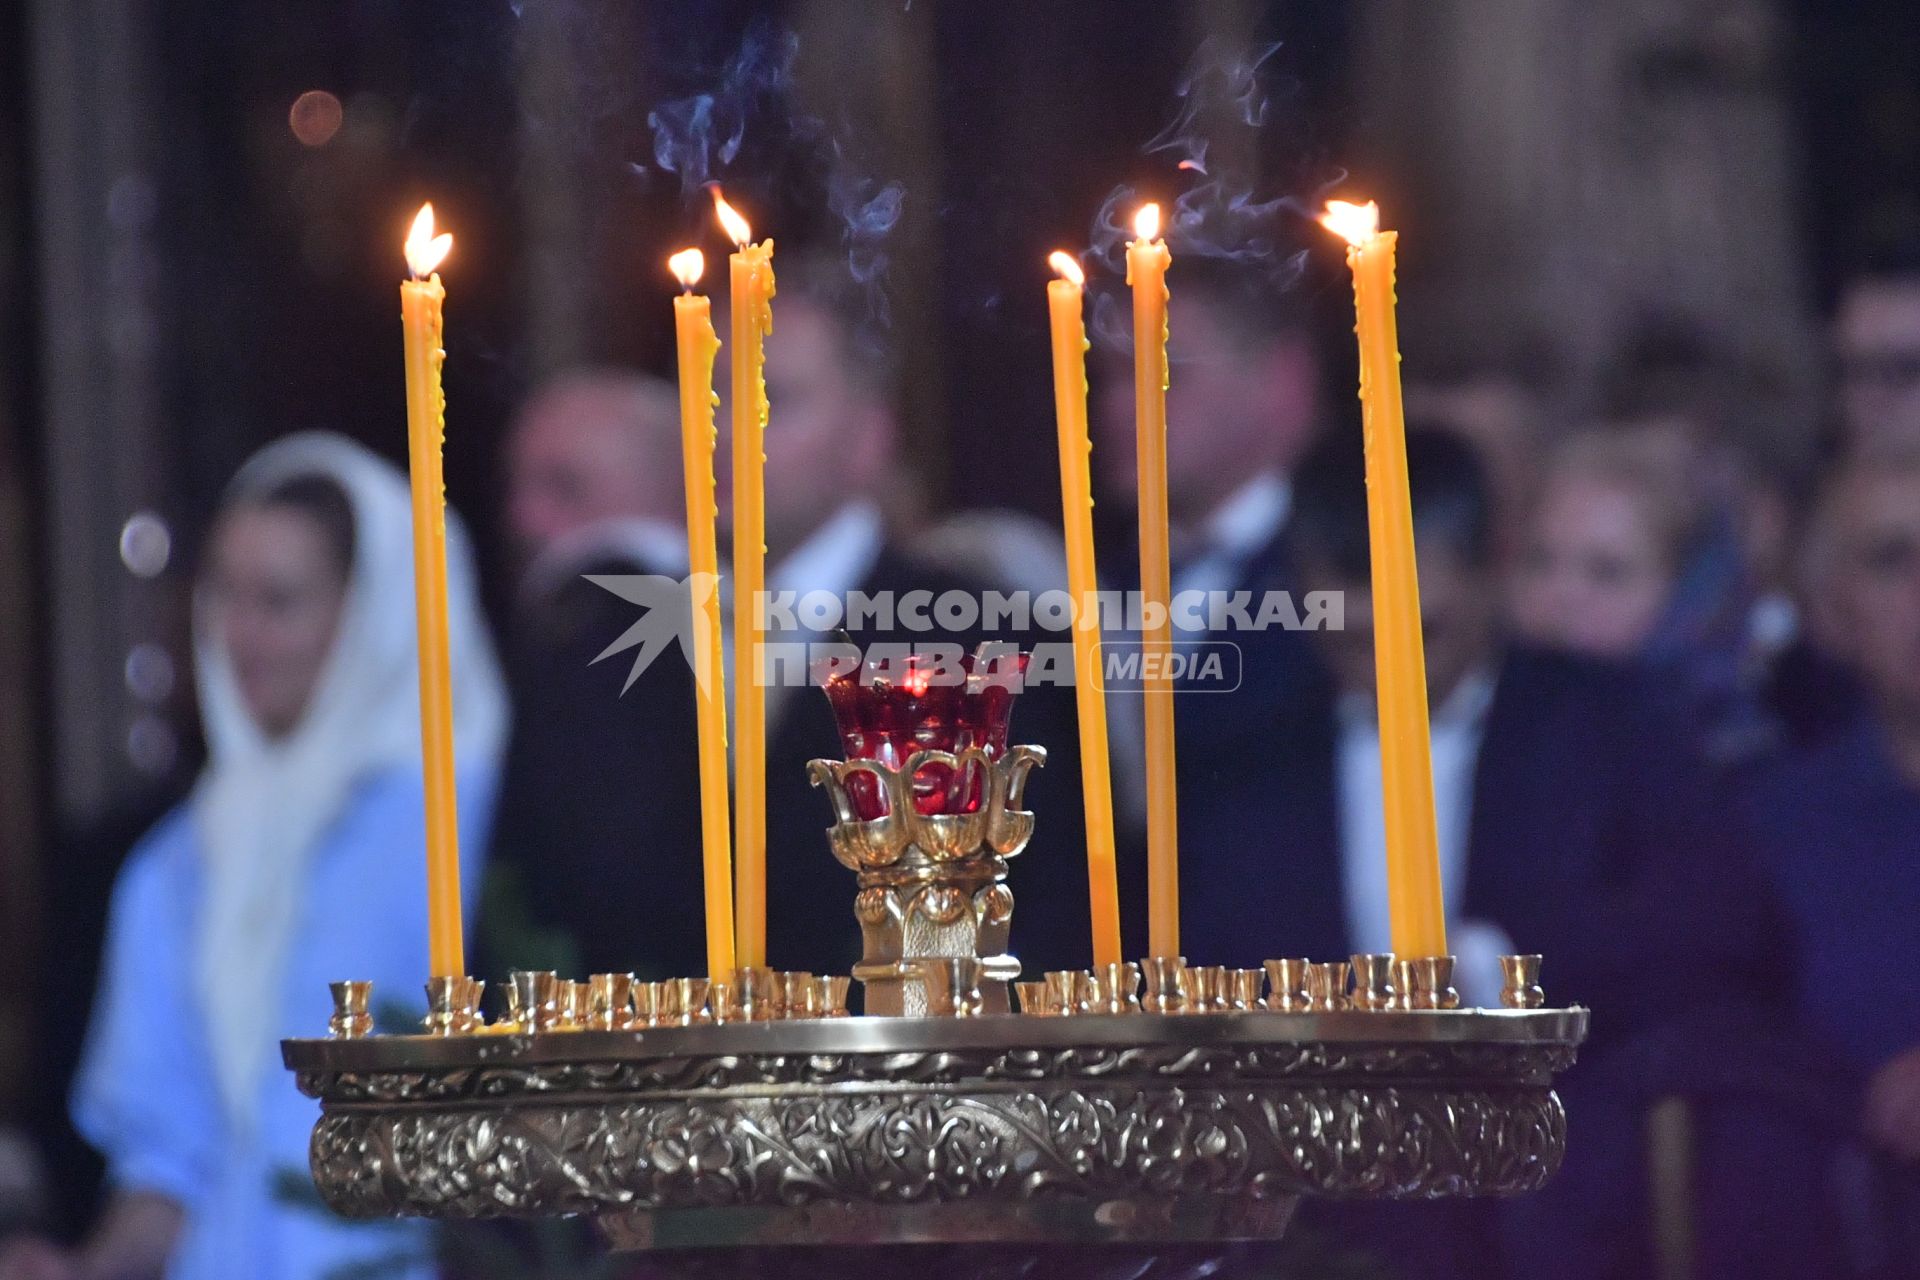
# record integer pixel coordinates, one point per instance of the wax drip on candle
(437, 357)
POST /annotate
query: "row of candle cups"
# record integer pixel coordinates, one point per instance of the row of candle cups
(1366, 981)
(544, 1001)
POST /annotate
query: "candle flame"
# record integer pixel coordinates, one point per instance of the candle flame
(1067, 266)
(731, 222)
(1146, 223)
(688, 266)
(1354, 223)
(425, 250)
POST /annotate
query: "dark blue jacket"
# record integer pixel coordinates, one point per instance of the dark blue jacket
(1839, 831)
(1595, 839)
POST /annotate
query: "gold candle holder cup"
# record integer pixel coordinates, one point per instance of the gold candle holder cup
(453, 1006)
(1520, 982)
(1433, 983)
(799, 995)
(1167, 984)
(1286, 985)
(1327, 986)
(830, 994)
(1374, 984)
(610, 1001)
(1245, 989)
(352, 1010)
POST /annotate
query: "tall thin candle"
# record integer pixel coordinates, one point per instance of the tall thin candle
(751, 281)
(698, 344)
(1147, 262)
(1066, 308)
(421, 302)
(1417, 908)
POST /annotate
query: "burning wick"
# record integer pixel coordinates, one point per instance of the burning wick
(1146, 223)
(1354, 223)
(731, 222)
(688, 266)
(425, 250)
(1067, 266)
(1190, 164)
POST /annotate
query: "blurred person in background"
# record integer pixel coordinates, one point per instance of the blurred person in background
(1839, 823)
(1566, 743)
(1494, 406)
(599, 802)
(1608, 541)
(593, 487)
(1571, 821)
(297, 860)
(1609, 530)
(1876, 341)
(1686, 407)
(1733, 635)
(1622, 556)
(593, 474)
(1243, 406)
(1710, 489)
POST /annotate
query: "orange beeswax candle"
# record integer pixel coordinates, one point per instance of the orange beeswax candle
(1065, 305)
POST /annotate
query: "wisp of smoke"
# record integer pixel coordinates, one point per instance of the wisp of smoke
(1219, 216)
(697, 137)
(868, 211)
(1218, 88)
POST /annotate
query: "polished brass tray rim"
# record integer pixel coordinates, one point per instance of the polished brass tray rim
(867, 1035)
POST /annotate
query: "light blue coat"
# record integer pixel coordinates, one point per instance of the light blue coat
(145, 1095)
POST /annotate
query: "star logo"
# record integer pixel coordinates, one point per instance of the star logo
(672, 607)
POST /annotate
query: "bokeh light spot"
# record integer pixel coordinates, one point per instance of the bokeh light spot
(146, 544)
(316, 117)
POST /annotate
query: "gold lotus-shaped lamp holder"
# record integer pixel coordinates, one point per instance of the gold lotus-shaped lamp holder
(932, 886)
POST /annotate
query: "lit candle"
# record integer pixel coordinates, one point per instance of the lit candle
(1147, 262)
(1064, 304)
(1400, 666)
(698, 344)
(421, 299)
(752, 321)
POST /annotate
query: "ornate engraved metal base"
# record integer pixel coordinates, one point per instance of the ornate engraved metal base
(1005, 1128)
(932, 886)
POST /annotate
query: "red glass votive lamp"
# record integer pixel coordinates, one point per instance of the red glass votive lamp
(887, 712)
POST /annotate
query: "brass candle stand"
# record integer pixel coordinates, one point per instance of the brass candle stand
(1096, 1121)
(1137, 1102)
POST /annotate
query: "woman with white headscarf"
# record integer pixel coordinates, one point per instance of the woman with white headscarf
(298, 859)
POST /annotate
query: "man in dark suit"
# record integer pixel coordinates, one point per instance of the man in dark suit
(1570, 822)
(1243, 405)
(593, 488)
(599, 819)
